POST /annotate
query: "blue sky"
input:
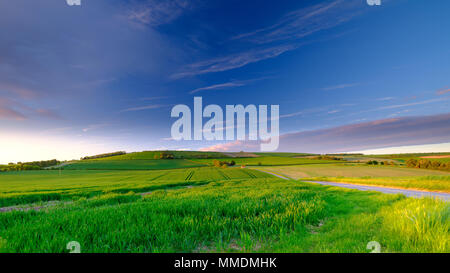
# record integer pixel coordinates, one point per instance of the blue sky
(104, 76)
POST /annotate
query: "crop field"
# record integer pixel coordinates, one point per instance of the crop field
(151, 164)
(349, 170)
(237, 215)
(151, 155)
(441, 157)
(36, 186)
(431, 183)
(183, 205)
(267, 161)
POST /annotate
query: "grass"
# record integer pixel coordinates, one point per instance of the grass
(428, 183)
(283, 154)
(239, 215)
(268, 161)
(350, 170)
(187, 208)
(146, 155)
(151, 164)
(387, 176)
(38, 186)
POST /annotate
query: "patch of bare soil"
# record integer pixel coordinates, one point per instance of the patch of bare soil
(315, 229)
(30, 207)
(436, 156)
(233, 246)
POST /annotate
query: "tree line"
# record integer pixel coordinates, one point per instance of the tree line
(428, 164)
(29, 166)
(103, 155)
(375, 162)
(223, 164)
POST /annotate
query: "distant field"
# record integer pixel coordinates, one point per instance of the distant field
(430, 183)
(177, 154)
(35, 186)
(404, 159)
(268, 161)
(441, 157)
(151, 164)
(283, 154)
(414, 155)
(349, 170)
(401, 177)
(436, 156)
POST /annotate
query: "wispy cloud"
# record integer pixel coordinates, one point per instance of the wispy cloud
(340, 86)
(20, 91)
(286, 34)
(305, 112)
(219, 86)
(443, 91)
(234, 60)
(155, 13)
(155, 98)
(147, 107)
(8, 113)
(225, 85)
(94, 127)
(385, 98)
(303, 22)
(232, 146)
(14, 109)
(411, 104)
(48, 113)
(360, 136)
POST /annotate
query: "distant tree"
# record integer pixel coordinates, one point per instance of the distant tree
(436, 165)
(372, 162)
(166, 155)
(411, 163)
(424, 164)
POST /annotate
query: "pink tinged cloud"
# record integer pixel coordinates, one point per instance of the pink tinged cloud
(7, 113)
(18, 90)
(443, 91)
(361, 136)
(47, 113)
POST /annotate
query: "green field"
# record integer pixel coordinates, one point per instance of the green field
(268, 161)
(399, 177)
(349, 170)
(152, 154)
(151, 164)
(235, 215)
(125, 206)
(35, 186)
(430, 183)
(418, 156)
(141, 162)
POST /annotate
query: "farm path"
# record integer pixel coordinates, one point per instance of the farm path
(409, 193)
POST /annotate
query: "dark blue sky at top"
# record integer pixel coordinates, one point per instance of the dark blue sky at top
(107, 73)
